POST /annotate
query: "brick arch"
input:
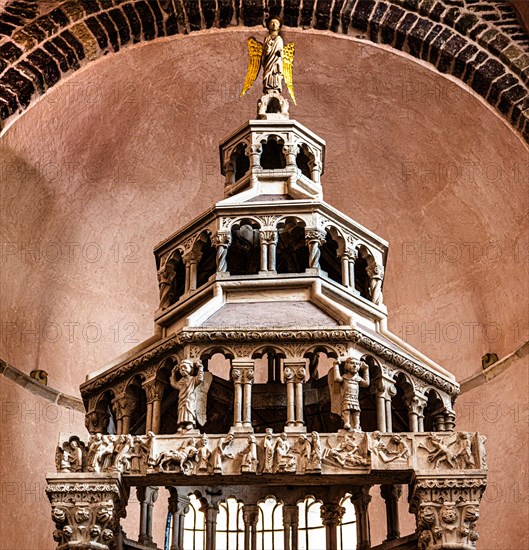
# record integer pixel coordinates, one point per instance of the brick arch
(478, 41)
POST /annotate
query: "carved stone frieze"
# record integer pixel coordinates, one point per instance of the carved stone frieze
(298, 453)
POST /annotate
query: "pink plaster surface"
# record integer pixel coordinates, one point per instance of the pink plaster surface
(125, 152)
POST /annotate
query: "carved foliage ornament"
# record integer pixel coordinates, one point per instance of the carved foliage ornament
(85, 514)
(447, 511)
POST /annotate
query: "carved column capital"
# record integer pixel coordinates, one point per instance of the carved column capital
(361, 498)
(415, 403)
(290, 514)
(290, 151)
(446, 511)
(124, 406)
(390, 492)
(221, 238)
(385, 388)
(268, 236)
(153, 390)
(97, 421)
(250, 514)
(331, 514)
(314, 236)
(192, 257)
(178, 504)
(294, 373)
(87, 513)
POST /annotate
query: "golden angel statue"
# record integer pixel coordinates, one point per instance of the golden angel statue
(275, 59)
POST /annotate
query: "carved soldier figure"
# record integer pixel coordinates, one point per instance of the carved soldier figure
(356, 375)
(186, 387)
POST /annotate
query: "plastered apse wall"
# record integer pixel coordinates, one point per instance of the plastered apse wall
(124, 152)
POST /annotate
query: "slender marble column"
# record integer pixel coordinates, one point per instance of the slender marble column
(361, 499)
(331, 515)
(391, 495)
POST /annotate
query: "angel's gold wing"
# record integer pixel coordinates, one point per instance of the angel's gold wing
(288, 62)
(255, 52)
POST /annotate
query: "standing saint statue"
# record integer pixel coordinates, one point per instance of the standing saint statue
(345, 390)
(277, 60)
(192, 393)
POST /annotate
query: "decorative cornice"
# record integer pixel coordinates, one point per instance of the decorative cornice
(236, 336)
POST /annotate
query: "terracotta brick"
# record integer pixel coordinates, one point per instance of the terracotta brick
(121, 24)
(20, 85)
(417, 35)
(68, 51)
(47, 66)
(226, 13)
(75, 44)
(86, 38)
(510, 97)
(322, 14)
(58, 55)
(307, 12)
(134, 22)
(403, 29)
(110, 29)
(147, 20)
(484, 76)
(375, 21)
(361, 14)
(192, 10)
(252, 13)
(98, 31)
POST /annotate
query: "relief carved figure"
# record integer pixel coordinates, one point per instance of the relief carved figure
(345, 390)
(284, 461)
(70, 457)
(192, 393)
(345, 453)
(395, 450)
(222, 452)
(249, 456)
(456, 454)
(310, 452)
(268, 447)
(203, 455)
(139, 452)
(182, 460)
(100, 452)
(121, 462)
